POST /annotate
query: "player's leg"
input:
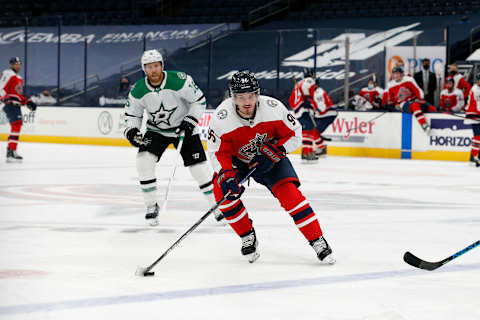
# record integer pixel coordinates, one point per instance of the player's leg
(14, 116)
(475, 150)
(236, 216)
(195, 159)
(283, 182)
(322, 124)
(308, 131)
(414, 108)
(147, 158)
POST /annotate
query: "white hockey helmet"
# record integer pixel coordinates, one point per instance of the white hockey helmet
(150, 56)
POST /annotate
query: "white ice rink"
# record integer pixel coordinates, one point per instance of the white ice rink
(72, 234)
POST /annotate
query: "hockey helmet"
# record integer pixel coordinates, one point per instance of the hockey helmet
(150, 56)
(398, 69)
(15, 60)
(243, 81)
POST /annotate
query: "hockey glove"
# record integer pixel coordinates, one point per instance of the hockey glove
(268, 157)
(136, 139)
(31, 105)
(228, 183)
(188, 125)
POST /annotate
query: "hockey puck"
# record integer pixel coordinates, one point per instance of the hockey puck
(148, 274)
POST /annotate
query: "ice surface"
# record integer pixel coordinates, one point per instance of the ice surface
(72, 233)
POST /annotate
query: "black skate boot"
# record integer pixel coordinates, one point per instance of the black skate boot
(12, 156)
(249, 246)
(309, 157)
(321, 152)
(323, 250)
(476, 161)
(152, 215)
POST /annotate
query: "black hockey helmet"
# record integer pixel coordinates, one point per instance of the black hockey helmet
(398, 69)
(243, 81)
(450, 79)
(308, 73)
(15, 60)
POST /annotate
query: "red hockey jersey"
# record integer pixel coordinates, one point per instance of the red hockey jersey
(11, 87)
(452, 101)
(473, 108)
(231, 136)
(371, 95)
(400, 92)
(460, 83)
(303, 90)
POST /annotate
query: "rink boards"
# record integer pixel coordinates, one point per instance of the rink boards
(388, 135)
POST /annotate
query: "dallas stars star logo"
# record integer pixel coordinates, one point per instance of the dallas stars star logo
(162, 115)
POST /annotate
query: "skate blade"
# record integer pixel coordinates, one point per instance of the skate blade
(252, 257)
(153, 222)
(329, 260)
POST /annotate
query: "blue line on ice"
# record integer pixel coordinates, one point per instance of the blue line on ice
(243, 288)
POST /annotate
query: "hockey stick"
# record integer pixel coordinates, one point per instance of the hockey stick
(458, 116)
(422, 264)
(179, 148)
(141, 271)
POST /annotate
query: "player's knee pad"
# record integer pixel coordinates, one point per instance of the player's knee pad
(201, 172)
(146, 165)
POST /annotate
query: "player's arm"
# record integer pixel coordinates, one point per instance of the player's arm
(464, 86)
(219, 147)
(133, 121)
(460, 102)
(289, 132)
(443, 98)
(197, 103)
(412, 85)
(3, 82)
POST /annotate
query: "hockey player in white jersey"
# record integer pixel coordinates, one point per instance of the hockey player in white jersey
(173, 103)
(251, 130)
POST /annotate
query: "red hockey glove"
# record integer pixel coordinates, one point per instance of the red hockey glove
(268, 157)
(228, 182)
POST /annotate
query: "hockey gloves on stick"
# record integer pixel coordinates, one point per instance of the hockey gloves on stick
(266, 159)
(188, 125)
(228, 183)
(31, 105)
(136, 139)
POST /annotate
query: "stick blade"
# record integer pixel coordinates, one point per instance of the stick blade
(142, 272)
(416, 262)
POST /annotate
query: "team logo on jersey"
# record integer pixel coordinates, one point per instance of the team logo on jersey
(272, 103)
(222, 114)
(251, 149)
(162, 115)
(182, 75)
(403, 94)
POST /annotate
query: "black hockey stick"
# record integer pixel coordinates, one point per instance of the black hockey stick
(419, 263)
(141, 271)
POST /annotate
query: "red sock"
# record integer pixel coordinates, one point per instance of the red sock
(307, 141)
(475, 146)
(416, 110)
(293, 201)
(319, 142)
(16, 126)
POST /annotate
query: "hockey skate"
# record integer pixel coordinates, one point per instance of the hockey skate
(310, 157)
(249, 246)
(152, 215)
(12, 156)
(321, 153)
(427, 129)
(323, 250)
(476, 161)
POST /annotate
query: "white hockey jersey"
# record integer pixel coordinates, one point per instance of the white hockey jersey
(232, 136)
(167, 105)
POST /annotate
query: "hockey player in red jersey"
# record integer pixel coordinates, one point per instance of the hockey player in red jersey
(301, 102)
(251, 130)
(324, 114)
(404, 95)
(473, 117)
(460, 82)
(451, 99)
(11, 93)
(369, 97)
